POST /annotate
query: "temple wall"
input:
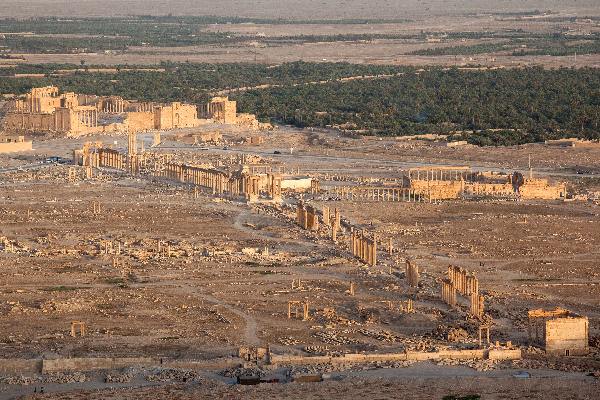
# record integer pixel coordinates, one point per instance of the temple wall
(140, 121)
(438, 190)
(15, 122)
(176, 115)
(540, 189)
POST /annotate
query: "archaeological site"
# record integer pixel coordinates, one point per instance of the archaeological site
(275, 230)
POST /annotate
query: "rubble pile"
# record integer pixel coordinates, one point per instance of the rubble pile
(457, 335)
(382, 365)
(236, 372)
(288, 341)
(557, 365)
(19, 380)
(331, 337)
(320, 350)
(382, 335)
(171, 375)
(118, 377)
(315, 369)
(478, 365)
(62, 378)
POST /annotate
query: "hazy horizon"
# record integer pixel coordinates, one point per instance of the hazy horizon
(293, 9)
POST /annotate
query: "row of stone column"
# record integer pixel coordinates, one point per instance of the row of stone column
(274, 186)
(477, 305)
(465, 283)
(211, 179)
(217, 181)
(439, 175)
(345, 178)
(459, 280)
(295, 306)
(90, 159)
(109, 247)
(315, 186)
(412, 274)
(260, 169)
(133, 164)
(111, 158)
(307, 217)
(221, 183)
(132, 143)
(334, 222)
(376, 194)
(448, 293)
(88, 118)
(144, 107)
(364, 247)
(116, 106)
(251, 187)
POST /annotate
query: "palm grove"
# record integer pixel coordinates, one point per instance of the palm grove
(485, 107)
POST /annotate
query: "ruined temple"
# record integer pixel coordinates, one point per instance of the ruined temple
(219, 109)
(46, 110)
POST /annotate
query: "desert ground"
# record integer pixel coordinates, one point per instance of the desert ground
(273, 42)
(185, 290)
(385, 52)
(218, 288)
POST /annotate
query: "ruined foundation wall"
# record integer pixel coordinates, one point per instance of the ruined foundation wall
(63, 120)
(248, 120)
(20, 366)
(14, 147)
(15, 122)
(88, 364)
(296, 184)
(495, 354)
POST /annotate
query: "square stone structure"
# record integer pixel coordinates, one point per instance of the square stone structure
(220, 109)
(560, 332)
(14, 144)
(175, 115)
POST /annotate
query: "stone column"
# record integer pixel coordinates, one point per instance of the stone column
(326, 215)
(374, 255)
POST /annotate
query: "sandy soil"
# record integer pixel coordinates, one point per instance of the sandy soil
(389, 51)
(378, 52)
(217, 289)
(373, 388)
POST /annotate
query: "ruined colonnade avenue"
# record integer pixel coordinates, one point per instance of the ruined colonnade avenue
(147, 257)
